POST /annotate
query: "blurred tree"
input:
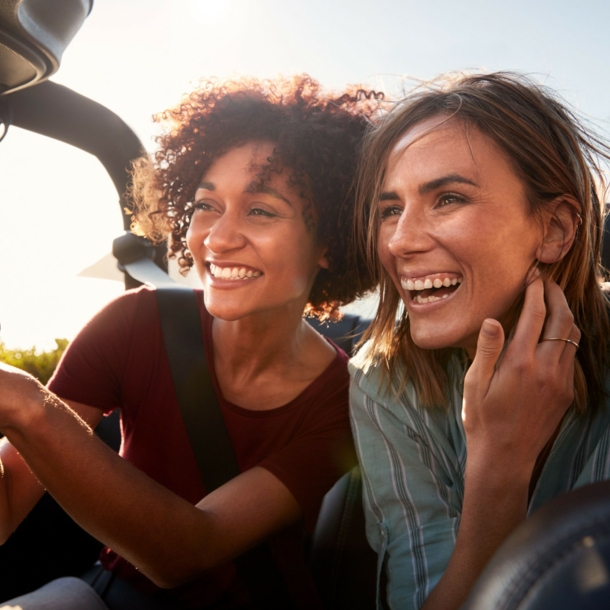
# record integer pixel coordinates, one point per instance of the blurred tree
(39, 364)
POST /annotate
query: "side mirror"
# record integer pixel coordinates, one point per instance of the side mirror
(33, 37)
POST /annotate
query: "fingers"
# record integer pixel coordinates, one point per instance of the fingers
(531, 320)
(489, 348)
(559, 325)
(569, 350)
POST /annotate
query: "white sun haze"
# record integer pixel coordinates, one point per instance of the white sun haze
(59, 208)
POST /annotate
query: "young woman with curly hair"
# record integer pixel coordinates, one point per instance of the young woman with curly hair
(252, 182)
(481, 209)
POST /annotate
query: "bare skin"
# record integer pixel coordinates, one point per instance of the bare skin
(265, 355)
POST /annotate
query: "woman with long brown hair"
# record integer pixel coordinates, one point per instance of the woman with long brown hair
(480, 207)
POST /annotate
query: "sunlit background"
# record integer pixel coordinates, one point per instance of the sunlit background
(59, 210)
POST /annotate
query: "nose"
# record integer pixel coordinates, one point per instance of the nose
(412, 233)
(224, 234)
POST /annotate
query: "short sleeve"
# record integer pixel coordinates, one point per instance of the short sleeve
(90, 369)
(412, 504)
(322, 449)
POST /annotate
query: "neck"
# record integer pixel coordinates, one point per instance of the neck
(259, 341)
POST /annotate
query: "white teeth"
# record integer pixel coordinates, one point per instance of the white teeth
(233, 273)
(427, 283)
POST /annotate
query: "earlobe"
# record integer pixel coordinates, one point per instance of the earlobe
(559, 230)
(322, 260)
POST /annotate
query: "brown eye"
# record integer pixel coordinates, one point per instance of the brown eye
(261, 212)
(449, 198)
(389, 211)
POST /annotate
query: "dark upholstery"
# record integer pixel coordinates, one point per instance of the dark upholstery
(342, 562)
(559, 559)
(345, 333)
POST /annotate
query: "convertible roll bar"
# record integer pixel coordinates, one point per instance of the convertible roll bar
(60, 113)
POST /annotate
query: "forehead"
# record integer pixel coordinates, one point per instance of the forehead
(243, 161)
(441, 145)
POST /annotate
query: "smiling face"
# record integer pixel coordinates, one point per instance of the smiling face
(252, 247)
(455, 232)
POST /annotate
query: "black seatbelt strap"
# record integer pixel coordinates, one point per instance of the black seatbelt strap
(183, 337)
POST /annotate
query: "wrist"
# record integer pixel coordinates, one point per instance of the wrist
(496, 472)
(23, 408)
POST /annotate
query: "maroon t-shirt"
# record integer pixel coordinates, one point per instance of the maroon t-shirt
(118, 360)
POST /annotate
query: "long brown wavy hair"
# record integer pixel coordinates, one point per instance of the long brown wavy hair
(554, 154)
(317, 137)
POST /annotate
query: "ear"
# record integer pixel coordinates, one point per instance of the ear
(561, 221)
(323, 261)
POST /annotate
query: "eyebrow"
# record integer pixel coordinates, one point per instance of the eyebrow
(208, 186)
(388, 196)
(255, 187)
(437, 183)
(432, 185)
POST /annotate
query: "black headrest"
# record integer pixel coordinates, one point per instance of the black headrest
(33, 37)
(559, 558)
(345, 333)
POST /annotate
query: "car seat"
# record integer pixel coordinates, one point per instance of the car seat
(559, 558)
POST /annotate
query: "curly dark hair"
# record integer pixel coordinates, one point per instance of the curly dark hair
(316, 138)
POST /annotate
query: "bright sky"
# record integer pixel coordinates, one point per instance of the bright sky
(59, 209)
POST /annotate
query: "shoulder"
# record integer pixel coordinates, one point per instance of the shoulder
(395, 393)
(128, 305)
(371, 381)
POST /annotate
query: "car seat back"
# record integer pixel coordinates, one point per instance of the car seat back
(559, 558)
(341, 560)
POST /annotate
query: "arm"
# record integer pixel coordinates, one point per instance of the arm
(167, 538)
(510, 412)
(20, 490)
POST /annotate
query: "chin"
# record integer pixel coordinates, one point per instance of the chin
(224, 311)
(434, 339)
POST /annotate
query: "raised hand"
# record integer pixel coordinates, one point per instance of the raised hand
(513, 405)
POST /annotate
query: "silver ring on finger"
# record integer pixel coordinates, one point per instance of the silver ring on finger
(576, 345)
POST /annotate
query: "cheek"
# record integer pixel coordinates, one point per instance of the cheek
(194, 241)
(386, 257)
(190, 238)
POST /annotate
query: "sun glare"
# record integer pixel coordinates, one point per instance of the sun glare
(212, 9)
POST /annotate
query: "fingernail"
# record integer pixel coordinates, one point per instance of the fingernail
(490, 327)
